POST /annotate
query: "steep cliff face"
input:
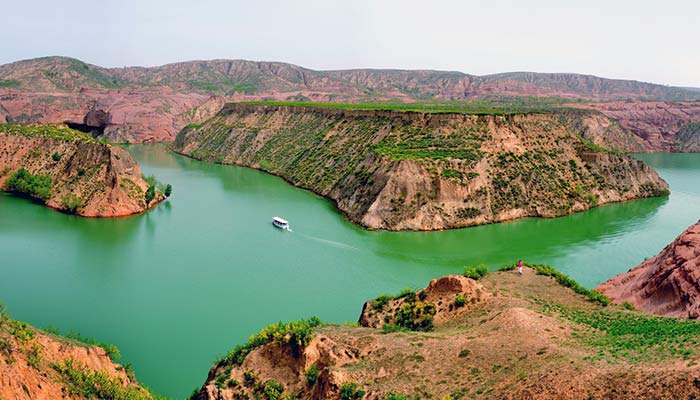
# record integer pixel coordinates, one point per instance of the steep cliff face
(423, 171)
(37, 365)
(68, 170)
(506, 336)
(655, 123)
(668, 284)
(688, 139)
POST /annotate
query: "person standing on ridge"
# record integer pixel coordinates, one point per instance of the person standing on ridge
(520, 267)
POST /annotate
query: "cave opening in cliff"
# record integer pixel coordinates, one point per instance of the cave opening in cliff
(95, 131)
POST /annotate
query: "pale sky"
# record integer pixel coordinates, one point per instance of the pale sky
(646, 40)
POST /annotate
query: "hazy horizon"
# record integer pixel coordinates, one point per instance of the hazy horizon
(642, 41)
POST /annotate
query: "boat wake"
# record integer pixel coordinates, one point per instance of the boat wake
(328, 242)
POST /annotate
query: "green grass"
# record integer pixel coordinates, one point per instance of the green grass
(57, 132)
(562, 279)
(298, 334)
(495, 107)
(476, 271)
(632, 335)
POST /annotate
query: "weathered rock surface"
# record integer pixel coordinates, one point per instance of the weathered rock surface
(105, 179)
(668, 284)
(506, 345)
(424, 171)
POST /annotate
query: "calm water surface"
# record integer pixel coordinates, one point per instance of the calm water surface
(182, 284)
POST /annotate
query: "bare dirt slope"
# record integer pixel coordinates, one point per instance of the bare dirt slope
(510, 337)
(424, 171)
(668, 284)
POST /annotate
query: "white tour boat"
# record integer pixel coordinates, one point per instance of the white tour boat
(280, 223)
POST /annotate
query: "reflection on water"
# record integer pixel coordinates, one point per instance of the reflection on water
(183, 283)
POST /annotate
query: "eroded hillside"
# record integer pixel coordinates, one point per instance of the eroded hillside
(70, 171)
(504, 336)
(424, 171)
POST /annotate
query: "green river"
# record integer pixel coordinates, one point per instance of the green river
(182, 284)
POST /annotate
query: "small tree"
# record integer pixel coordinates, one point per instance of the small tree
(168, 190)
(150, 194)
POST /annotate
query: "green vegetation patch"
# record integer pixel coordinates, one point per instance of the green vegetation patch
(80, 381)
(562, 279)
(57, 132)
(37, 186)
(408, 143)
(476, 271)
(633, 336)
(298, 334)
(10, 83)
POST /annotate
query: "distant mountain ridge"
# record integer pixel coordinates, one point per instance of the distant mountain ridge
(68, 74)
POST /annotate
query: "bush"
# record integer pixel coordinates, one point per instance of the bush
(56, 157)
(71, 203)
(476, 271)
(628, 306)
(168, 190)
(460, 300)
(150, 194)
(37, 186)
(311, 374)
(81, 171)
(298, 334)
(380, 302)
(81, 382)
(394, 396)
(350, 391)
(416, 316)
(273, 390)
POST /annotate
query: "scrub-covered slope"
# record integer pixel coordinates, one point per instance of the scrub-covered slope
(505, 336)
(37, 365)
(396, 170)
(70, 171)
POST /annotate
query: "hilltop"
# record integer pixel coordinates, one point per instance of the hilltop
(136, 104)
(499, 336)
(428, 169)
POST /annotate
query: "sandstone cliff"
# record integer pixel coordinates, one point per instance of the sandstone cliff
(505, 336)
(668, 284)
(424, 171)
(35, 365)
(70, 171)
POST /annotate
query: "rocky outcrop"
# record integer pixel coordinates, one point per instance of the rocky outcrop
(424, 171)
(86, 177)
(38, 365)
(668, 284)
(524, 337)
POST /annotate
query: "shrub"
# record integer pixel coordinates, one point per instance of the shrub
(81, 171)
(416, 316)
(56, 157)
(37, 186)
(71, 203)
(273, 390)
(350, 391)
(168, 190)
(476, 271)
(311, 374)
(150, 194)
(460, 300)
(380, 302)
(628, 306)
(298, 334)
(81, 382)
(394, 396)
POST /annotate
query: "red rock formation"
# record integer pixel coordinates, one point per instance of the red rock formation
(668, 284)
